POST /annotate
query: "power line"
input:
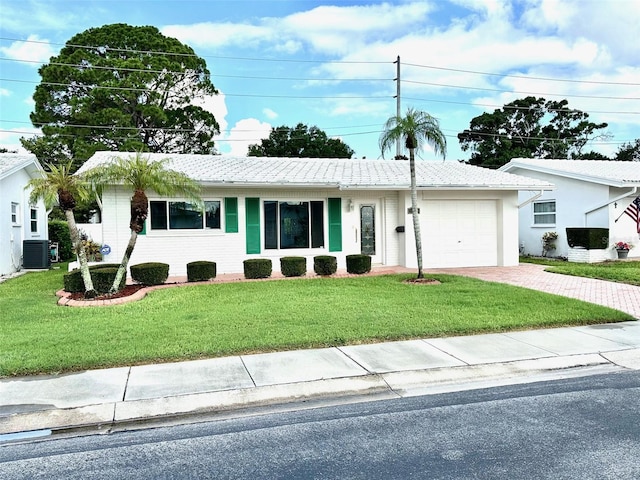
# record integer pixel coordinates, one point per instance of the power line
(180, 73)
(520, 93)
(525, 77)
(153, 52)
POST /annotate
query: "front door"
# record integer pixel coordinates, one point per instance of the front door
(367, 230)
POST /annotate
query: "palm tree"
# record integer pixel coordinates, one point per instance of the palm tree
(59, 186)
(416, 128)
(141, 174)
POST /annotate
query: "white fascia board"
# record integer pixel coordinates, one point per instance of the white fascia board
(561, 173)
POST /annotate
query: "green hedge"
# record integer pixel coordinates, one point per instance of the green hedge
(201, 271)
(358, 264)
(59, 232)
(102, 276)
(293, 266)
(325, 265)
(590, 238)
(257, 268)
(150, 273)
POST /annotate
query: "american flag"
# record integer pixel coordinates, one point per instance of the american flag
(633, 210)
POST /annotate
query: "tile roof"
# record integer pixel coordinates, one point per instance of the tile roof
(338, 173)
(599, 171)
(12, 162)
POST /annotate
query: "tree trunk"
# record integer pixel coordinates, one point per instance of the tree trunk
(78, 247)
(414, 211)
(122, 269)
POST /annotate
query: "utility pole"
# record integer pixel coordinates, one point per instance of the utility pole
(397, 97)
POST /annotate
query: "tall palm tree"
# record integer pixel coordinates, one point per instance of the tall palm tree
(59, 186)
(415, 128)
(141, 174)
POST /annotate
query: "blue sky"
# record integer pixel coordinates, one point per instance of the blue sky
(331, 63)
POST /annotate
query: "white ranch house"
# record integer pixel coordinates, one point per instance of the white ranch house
(274, 207)
(589, 193)
(20, 220)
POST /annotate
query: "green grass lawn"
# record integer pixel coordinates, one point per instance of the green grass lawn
(197, 321)
(614, 271)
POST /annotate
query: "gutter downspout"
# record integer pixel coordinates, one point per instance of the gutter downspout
(609, 202)
(532, 199)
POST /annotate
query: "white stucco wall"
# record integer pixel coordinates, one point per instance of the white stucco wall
(228, 250)
(11, 236)
(574, 198)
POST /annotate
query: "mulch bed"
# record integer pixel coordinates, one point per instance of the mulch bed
(125, 292)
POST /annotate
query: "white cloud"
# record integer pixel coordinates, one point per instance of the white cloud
(10, 138)
(270, 114)
(4, 92)
(244, 133)
(333, 30)
(34, 51)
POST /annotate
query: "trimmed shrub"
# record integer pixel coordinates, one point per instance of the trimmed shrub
(590, 238)
(59, 232)
(325, 265)
(293, 266)
(102, 276)
(201, 271)
(150, 273)
(257, 268)
(358, 264)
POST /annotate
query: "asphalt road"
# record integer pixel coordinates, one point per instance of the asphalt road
(580, 428)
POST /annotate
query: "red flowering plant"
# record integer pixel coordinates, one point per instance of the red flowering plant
(622, 246)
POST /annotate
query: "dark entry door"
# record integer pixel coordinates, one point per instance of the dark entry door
(367, 230)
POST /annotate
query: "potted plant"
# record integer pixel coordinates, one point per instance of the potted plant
(548, 242)
(622, 248)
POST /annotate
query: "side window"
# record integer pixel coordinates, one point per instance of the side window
(33, 219)
(15, 213)
(544, 213)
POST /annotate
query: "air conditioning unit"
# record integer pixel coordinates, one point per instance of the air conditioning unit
(35, 254)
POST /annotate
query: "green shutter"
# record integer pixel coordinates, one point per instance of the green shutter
(335, 224)
(231, 215)
(252, 207)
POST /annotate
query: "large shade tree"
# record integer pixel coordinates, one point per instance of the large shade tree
(415, 130)
(529, 128)
(126, 88)
(629, 152)
(300, 141)
(59, 187)
(140, 173)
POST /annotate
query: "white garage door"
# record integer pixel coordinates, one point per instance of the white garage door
(459, 233)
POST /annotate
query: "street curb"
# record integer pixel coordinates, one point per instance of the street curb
(383, 385)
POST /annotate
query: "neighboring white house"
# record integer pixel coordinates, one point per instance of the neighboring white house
(19, 219)
(589, 193)
(273, 207)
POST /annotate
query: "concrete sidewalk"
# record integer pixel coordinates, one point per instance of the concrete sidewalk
(114, 398)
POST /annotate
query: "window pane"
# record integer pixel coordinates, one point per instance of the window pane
(34, 220)
(317, 225)
(544, 207)
(184, 216)
(294, 225)
(270, 225)
(158, 212)
(212, 214)
(544, 219)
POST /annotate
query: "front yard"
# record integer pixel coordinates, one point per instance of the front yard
(198, 321)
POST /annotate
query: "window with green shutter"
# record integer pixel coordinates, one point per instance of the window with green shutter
(252, 207)
(335, 224)
(231, 215)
